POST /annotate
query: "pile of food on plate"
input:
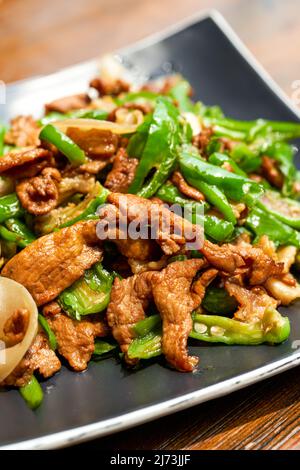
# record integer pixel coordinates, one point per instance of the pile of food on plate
(78, 283)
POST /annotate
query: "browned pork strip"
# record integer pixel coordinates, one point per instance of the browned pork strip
(25, 163)
(68, 103)
(253, 303)
(39, 357)
(129, 299)
(271, 171)
(53, 262)
(75, 339)
(95, 142)
(169, 230)
(175, 299)
(109, 87)
(185, 188)
(39, 195)
(23, 132)
(122, 174)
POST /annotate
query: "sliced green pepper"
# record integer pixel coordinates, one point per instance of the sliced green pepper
(20, 229)
(218, 301)
(157, 139)
(46, 327)
(235, 187)
(64, 144)
(272, 329)
(180, 93)
(103, 347)
(220, 158)
(285, 209)
(262, 223)
(10, 207)
(215, 228)
(90, 294)
(32, 393)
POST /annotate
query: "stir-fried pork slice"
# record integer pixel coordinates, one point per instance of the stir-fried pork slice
(53, 262)
(109, 87)
(202, 140)
(112, 226)
(169, 230)
(39, 195)
(39, 357)
(176, 299)
(68, 103)
(15, 327)
(271, 171)
(261, 265)
(138, 266)
(172, 233)
(122, 173)
(95, 142)
(93, 167)
(23, 132)
(25, 163)
(128, 301)
(253, 302)
(185, 188)
(76, 339)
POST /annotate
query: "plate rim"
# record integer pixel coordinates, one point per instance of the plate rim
(134, 418)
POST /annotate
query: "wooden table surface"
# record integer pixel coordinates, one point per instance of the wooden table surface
(38, 37)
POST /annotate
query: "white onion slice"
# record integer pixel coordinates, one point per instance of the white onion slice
(14, 296)
(87, 124)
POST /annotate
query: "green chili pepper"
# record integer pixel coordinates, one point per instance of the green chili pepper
(272, 329)
(46, 327)
(248, 159)
(218, 301)
(143, 327)
(262, 223)
(220, 158)
(285, 209)
(177, 258)
(103, 348)
(20, 229)
(90, 294)
(157, 140)
(212, 112)
(10, 207)
(138, 97)
(283, 153)
(180, 93)
(63, 143)
(235, 187)
(249, 130)
(32, 393)
(217, 199)
(215, 228)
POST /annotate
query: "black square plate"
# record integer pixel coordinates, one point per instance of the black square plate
(107, 398)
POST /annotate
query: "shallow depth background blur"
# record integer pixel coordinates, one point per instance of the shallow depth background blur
(41, 36)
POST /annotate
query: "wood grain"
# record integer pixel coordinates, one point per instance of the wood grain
(38, 37)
